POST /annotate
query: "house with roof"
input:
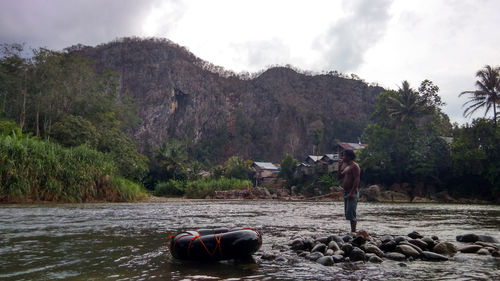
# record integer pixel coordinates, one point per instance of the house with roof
(265, 169)
(312, 159)
(343, 146)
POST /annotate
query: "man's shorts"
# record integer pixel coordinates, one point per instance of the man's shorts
(350, 205)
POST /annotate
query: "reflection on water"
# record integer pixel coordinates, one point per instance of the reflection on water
(127, 241)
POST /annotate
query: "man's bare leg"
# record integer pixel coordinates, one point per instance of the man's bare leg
(353, 226)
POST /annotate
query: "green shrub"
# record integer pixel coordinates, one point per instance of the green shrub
(35, 170)
(170, 188)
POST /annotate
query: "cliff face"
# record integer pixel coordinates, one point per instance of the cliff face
(261, 118)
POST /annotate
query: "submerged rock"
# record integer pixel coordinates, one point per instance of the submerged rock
(470, 248)
(445, 248)
(395, 256)
(408, 251)
(430, 256)
(375, 259)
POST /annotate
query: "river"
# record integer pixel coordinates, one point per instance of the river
(127, 241)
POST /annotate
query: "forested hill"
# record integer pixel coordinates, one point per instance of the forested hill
(261, 116)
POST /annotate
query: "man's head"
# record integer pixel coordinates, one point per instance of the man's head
(349, 156)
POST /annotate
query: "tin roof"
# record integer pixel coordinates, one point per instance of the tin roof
(352, 145)
(266, 165)
(332, 157)
(315, 158)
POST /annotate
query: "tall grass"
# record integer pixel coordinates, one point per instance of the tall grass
(35, 170)
(199, 188)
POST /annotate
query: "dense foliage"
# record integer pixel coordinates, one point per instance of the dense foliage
(36, 170)
(199, 188)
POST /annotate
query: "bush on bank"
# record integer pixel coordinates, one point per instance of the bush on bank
(199, 188)
(35, 170)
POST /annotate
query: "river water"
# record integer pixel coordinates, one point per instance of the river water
(127, 241)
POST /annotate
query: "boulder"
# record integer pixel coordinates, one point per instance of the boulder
(375, 259)
(338, 258)
(371, 194)
(358, 241)
(430, 256)
(319, 248)
(357, 255)
(333, 246)
(445, 248)
(326, 260)
(483, 252)
(430, 242)
(347, 248)
(415, 235)
(487, 239)
(388, 246)
(399, 239)
(386, 238)
(443, 196)
(314, 256)
(369, 248)
(470, 248)
(297, 244)
(329, 252)
(394, 196)
(309, 243)
(418, 242)
(468, 238)
(337, 239)
(395, 256)
(407, 251)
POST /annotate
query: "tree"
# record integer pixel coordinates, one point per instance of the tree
(236, 167)
(487, 95)
(405, 105)
(287, 168)
(74, 131)
(173, 157)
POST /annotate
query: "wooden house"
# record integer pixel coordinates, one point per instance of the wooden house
(343, 146)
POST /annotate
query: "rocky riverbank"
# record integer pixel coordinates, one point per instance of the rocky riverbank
(365, 247)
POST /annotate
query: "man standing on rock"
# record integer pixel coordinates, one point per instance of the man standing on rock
(350, 173)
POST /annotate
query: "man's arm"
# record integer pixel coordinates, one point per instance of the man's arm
(356, 174)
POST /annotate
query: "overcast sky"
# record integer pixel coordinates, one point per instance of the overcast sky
(381, 41)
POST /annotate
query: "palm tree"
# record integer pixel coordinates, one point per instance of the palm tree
(405, 105)
(488, 93)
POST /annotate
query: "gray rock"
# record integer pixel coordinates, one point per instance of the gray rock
(319, 248)
(338, 258)
(375, 259)
(326, 260)
(369, 248)
(339, 252)
(468, 238)
(329, 252)
(386, 238)
(395, 256)
(430, 242)
(347, 248)
(323, 240)
(333, 245)
(470, 248)
(314, 256)
(445, 248)
(347, 238)
(430, 256)
(337, 239)
(308, 243)
(357, 255)
(297, 244)
(358, 241)
(413, 246)
(483, 252)
(388, 246)
(407, 251)
(419, 242)
(415, 235)
(399, 239)
(487, 239)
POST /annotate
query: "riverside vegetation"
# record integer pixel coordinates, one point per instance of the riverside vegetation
(78, 125)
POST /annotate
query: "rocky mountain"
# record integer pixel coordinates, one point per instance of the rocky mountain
(261, 116)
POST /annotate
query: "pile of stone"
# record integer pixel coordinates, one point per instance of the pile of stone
(362, 247)
(479, 244)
